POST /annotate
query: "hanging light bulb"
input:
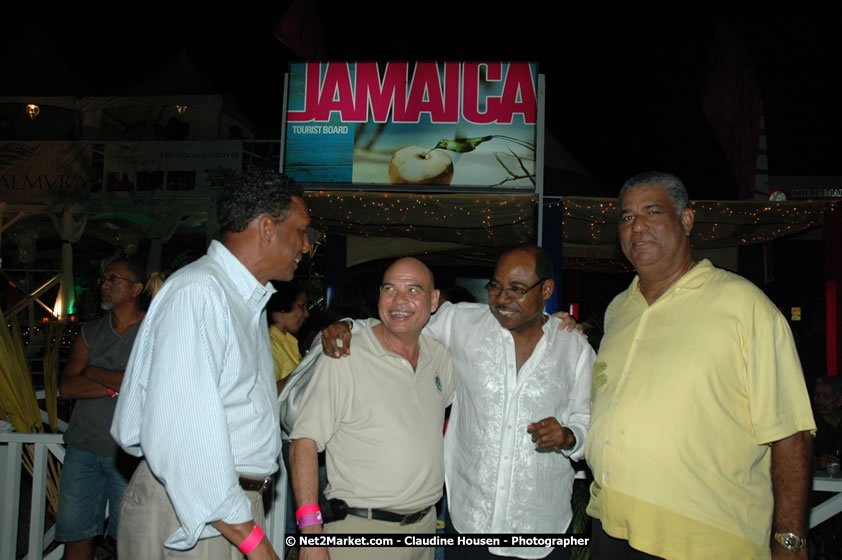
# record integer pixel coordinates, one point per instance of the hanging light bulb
(181, 109)
(32, 110)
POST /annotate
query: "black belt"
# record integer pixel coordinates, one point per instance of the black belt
(259, 485)
(383, 515)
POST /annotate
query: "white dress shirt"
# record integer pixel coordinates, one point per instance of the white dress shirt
(496, 481)
(198, 397)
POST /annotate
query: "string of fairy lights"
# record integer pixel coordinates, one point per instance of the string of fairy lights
(69, 330)
(585, 221)
(383, 214)
(742, 222)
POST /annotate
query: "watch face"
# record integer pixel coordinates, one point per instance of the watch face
(790, 541)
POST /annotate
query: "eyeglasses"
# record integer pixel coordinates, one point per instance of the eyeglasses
(111, 278)
(494, 289)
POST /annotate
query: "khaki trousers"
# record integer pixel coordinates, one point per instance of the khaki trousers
(354, 524)
(147, 519)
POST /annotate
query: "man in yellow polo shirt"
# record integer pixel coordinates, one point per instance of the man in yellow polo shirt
(700, 420)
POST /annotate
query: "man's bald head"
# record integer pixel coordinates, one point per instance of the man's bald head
(407, 297)
(412, 262)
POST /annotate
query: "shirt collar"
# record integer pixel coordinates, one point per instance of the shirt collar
(544, 327)
(376, 347)
(693, 279)
(244, 281)
(380, 351)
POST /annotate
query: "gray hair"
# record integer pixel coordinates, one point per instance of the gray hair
(134, 266)
(676, 190)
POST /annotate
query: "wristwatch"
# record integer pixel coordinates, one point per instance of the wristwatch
(791, 541)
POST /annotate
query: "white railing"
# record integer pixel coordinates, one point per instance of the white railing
(11, 451)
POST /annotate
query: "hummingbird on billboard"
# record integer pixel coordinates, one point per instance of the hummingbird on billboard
(464, 145)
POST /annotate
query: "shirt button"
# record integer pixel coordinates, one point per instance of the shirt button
(649, 311)
(607, 442)
(502, 487)
(509, 427)
(607, 478)
(505, 457)
(637, 341)
(613, 404)
(626, 373)
(511, 366)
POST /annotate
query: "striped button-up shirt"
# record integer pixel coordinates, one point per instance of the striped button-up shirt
(198, 397)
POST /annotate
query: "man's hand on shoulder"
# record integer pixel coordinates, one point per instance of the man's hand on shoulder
(336, 340)
(568, 322)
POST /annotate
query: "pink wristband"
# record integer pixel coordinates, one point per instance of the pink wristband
(252, 540)
(310, 519)
(112, 392)
(304, 510)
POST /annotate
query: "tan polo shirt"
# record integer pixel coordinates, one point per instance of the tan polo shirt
(380, 423)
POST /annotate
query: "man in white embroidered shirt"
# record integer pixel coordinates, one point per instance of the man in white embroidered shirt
(521, 410)
(198, 400)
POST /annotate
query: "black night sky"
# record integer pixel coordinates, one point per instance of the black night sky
(624, 91)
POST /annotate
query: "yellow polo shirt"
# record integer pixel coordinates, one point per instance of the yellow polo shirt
(686, 396)
(285, 352)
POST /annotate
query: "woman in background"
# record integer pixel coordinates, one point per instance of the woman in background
(286, 312)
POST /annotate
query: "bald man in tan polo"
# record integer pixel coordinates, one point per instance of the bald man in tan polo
(379, 415)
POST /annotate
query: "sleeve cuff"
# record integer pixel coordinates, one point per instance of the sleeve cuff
(577, 452)
(236, 508)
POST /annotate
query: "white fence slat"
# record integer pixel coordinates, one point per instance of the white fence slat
(38, 502)
(11, 499)
(56, 554)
